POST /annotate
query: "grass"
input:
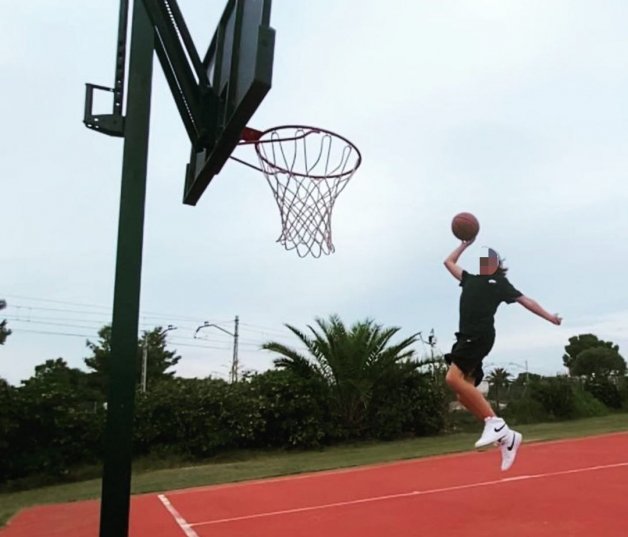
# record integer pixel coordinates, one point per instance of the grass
(271, 464)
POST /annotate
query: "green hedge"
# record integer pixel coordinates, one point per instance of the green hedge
(47, 432)
(554, 398)
(414, 403)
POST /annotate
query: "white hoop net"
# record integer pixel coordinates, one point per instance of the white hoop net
(307, 169)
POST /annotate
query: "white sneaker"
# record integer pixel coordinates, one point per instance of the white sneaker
(494, 430)
(509, 447)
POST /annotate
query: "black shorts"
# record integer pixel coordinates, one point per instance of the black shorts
(468, 353)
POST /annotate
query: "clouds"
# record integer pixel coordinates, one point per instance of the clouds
(514, 111)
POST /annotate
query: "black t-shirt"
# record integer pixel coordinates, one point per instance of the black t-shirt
(480, 297)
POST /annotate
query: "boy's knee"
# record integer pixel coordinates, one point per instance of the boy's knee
(453, 377)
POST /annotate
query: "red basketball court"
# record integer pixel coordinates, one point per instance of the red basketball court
(574, 488)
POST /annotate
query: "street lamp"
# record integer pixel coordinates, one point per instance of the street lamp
(431, 342)
(233, 376)
(145, 355)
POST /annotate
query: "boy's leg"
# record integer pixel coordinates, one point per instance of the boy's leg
(463, 400)
(468, 394)
(494, 428)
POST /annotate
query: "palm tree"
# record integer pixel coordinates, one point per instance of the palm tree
(349, 362)
(498, 379)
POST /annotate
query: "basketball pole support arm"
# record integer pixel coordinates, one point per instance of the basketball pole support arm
(193, 95)
(195, 98)
(111, 124)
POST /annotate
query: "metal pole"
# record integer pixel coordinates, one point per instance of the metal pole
(144, 362)
(118, 90)
(234, 363)
(233, 374)
(116, 481)
(145, 349)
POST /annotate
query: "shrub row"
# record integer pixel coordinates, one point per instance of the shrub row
(48, 434)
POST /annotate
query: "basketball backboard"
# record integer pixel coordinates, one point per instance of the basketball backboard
(239, 66)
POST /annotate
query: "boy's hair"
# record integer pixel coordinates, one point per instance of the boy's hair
(501, 269)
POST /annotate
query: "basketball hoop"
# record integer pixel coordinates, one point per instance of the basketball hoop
(306, 168)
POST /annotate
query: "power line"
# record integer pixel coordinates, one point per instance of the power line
(82, 304)
(227, 349)
(17, 330)
(44, 318)
(107, 309)
(43, 308)
(265, 329)
(65, 322)
(245, 343)
(48, 323)
(143, 314)
(249, 343)
(28, 313)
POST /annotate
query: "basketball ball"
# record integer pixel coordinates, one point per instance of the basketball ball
(465, 226)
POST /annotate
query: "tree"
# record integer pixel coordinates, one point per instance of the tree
(4, 332)
(55, 373)
(58, 420)
(56, 377)
(579, 343)
(498, 380)
(598, 363)
(350, 362)
(159, 358)
(7, 428)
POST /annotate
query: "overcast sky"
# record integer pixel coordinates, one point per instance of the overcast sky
(513, 110)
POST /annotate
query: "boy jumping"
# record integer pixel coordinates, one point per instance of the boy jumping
(480, 297)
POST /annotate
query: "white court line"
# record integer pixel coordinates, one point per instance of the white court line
(315, 474)
(409, 494)
(183, 524)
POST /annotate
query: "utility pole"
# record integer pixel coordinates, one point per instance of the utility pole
(144, 363)
(234, 362)
(145, 355)
(431, 340)
(233, 375)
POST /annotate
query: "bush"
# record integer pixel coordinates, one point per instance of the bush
(295, 411)
(50, 433)
(525, 410)
(586, 405)
(554, 398)
(196, 417)
(623, 392)
(412, 403)
(8, 427)
(556, 395)
(606, 391)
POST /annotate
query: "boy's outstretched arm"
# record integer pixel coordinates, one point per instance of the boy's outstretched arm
(535, 307)
(452, 259)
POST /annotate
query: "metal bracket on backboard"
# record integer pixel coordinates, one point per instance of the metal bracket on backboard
(111, 124)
